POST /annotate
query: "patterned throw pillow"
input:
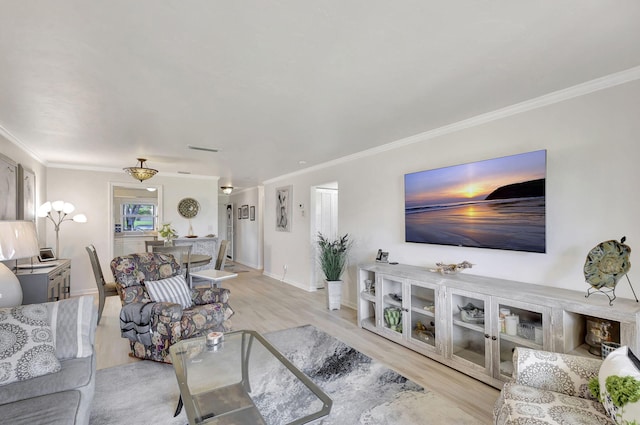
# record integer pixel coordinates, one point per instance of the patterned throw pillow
(173, 290)
(623, 388)
(26, 343)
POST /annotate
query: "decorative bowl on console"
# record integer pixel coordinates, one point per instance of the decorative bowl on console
(471, 314)
(606, 263)
(443, 268)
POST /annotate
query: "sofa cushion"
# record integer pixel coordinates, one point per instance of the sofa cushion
(619, 365)
(74, 374)
(71, 321)
(173, 290)
(27, 347)
(52, 409)
(522, 404)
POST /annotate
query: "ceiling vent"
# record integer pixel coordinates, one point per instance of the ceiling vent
(200, 148)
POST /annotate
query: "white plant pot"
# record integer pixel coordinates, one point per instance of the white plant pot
(334, 294)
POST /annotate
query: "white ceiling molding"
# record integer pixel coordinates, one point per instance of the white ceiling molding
(608, 81)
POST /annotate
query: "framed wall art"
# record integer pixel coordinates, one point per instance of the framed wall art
(245, 211)
(497, 203)
(8, 188)
(27, 194)
(283, 208)
(239, 213)
(252, 213)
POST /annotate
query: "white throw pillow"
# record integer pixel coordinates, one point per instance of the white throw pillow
(26, 343)
(173, 290)
(619, 363)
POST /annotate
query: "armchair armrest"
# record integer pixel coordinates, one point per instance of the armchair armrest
(201, 296)
(562, 373)
(139, 320)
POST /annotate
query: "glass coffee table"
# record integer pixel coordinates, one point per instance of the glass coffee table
(243, 380)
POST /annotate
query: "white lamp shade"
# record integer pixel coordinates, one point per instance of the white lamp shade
(68, 208)
(80, 218)
(57, 205)
(18, 240)
(44, 209)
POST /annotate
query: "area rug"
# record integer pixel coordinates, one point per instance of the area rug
(363, 390)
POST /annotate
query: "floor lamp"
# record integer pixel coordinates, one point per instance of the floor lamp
(17, 240)
(62, 210)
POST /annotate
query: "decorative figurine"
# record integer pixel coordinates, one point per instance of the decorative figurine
(451, 268)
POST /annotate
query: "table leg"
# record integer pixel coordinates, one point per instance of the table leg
(179, 407)
(246, 351)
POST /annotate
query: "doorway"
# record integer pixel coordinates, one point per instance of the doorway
(135, 213)
(324, 210)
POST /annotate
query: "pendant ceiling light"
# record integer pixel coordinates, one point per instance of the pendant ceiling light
(227, 189)
(140, 172)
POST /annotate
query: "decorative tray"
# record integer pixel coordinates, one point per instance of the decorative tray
(471, 314)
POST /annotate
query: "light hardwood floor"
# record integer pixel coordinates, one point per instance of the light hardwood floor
(266, 304)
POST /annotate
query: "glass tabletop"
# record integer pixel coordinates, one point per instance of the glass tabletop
(244, 380)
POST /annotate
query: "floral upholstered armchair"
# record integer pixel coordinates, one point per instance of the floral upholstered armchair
(152, 318)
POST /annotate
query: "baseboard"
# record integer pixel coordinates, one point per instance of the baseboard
(84, 292)
(288, 282)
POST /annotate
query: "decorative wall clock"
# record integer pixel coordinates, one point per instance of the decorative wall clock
(188, 207)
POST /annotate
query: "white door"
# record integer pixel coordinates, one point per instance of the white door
(326, 221)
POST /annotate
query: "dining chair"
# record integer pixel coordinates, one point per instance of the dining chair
(148, 244)
(104, 289)
(182, 254)
(222, 255)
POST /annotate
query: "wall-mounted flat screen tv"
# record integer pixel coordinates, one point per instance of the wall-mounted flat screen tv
(497, 203)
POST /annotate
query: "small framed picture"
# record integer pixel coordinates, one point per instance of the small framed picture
(252, 213)
(384, 258)
(239, 213)
(245, 211)
(379, 255)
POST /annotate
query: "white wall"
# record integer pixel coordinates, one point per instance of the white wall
(89, 192)
(593, 155)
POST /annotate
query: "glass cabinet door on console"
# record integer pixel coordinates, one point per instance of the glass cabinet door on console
(421, 309)
(518, 325)
(470, 339)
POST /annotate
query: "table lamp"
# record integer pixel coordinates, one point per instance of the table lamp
(17, 240)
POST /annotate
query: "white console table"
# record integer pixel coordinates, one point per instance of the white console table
(481, 348)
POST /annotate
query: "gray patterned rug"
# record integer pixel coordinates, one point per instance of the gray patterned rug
(363, 391)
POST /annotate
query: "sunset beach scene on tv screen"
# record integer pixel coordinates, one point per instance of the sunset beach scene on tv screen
(497, 203)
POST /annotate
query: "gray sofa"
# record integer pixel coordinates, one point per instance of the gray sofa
(63, 397)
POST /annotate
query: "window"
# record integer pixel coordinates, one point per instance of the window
(138, 216)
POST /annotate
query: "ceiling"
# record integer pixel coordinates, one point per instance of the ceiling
(272, 83)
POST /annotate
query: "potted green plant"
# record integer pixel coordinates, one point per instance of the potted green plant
(168, 233)
(333, 261)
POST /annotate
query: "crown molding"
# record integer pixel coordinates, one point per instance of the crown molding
(13, 139)
(602, 83)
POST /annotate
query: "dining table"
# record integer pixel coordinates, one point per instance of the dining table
(197, 260)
